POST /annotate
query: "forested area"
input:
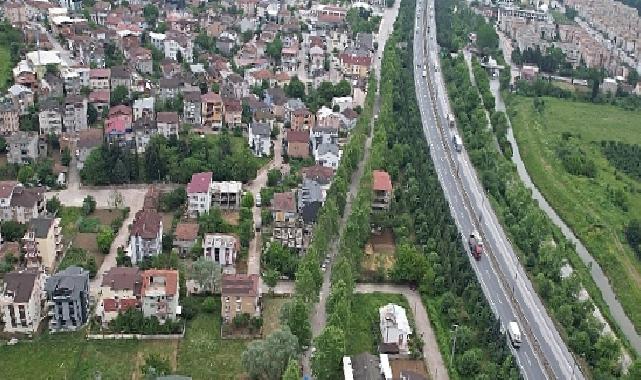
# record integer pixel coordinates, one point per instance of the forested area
(542, 248)
(228, 157)
(624, 157)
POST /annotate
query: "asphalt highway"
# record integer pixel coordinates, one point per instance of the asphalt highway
(542, 354)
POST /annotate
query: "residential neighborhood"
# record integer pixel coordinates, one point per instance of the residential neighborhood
(158, 155)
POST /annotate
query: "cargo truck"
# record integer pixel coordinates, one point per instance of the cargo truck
(476, 245)
(514, 332)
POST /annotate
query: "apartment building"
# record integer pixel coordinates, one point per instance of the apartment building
(192, 106)
(99, 79)
(212, 110)
(167, 124)
(119, 292)
(42, 243)
(9, 119)
(22, 147)
(68, 299)
(221, 249)
(75, 113)
(160, 294)
(50, 117)
(21, 301)
(199, 194)
(226, 195)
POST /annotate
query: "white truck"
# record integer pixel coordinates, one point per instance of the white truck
(514, 332)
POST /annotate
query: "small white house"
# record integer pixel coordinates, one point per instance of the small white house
(259, 139)
(395, 328)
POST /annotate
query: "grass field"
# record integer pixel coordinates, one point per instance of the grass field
(586, 204)
(201, 355)
(271, 313)
(5, 67)
(364, 334)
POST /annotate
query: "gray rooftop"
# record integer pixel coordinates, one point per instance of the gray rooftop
(328, 148)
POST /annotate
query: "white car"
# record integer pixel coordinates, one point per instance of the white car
(258, 201)
(323, 267)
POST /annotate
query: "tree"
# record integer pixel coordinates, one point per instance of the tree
(65, 158)
(104, 239)
(247, 200)
(330, 349)
(270, 277)
(92, 114)
(275, 48)
(295, 314)
(342, 88)
(469, 363)
(53, 205)
(211, 221)
(25, 174)
(13, 231)
(268, 358)
(281, 259)
(295, 88)
(88, 205)
(633, 234)
(150, 13)
(633, 77)
(207, 274)
(293, 370)
(119, 95)
(487, 39)
(3, 144)
(273, 177)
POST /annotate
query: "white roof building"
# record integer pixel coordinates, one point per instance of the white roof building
(395, 327)
(44, 57)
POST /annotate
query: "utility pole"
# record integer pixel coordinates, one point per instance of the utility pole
(453, 343)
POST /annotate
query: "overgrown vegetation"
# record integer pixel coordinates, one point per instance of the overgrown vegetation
(228, 157)
(623, 156)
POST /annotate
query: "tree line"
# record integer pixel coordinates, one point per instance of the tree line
(228, 157)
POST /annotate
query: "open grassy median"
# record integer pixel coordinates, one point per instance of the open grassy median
(561, 147)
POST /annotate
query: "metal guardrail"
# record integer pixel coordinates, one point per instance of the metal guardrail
(477, 224)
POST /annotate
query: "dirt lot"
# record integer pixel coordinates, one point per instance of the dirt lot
(87, 241)
(167, 218)
(379, 251)
(105, 216)
(231, 217)
(399, 365)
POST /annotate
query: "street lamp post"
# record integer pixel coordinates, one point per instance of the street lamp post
(453, 343)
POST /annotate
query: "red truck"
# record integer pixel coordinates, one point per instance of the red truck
(476, 245)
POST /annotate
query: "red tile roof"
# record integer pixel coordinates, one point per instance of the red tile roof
(240, 285)
(6, 188)
(170, 276)
(211, 97)
(200, 182)
(357, 60)
(120, 305)
(381, 181)
(146, 224)
(297, 136)
(99, 73)
(284, 202)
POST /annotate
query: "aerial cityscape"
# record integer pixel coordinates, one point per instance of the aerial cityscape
(320, 190)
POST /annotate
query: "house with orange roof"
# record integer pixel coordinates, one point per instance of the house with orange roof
(382, 188)
(160, 294)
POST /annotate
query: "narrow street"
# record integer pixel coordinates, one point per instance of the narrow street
(255, 245)
(318, 313)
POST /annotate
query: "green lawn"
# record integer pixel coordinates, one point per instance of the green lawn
(5, 67)
(71, 356)
(271, 313)
(364, 334)
(586, 204)
(201, 354)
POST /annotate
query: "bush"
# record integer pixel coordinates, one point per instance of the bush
(209, 305)
(87, 225)
(13, 231)
(104, 239)
(88, 205)
(241, 320)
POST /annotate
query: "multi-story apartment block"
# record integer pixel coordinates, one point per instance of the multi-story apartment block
(199, 192)
(212, 110)
(192, 106)
(21, 301)
(178, 45)
(22, 147)
(222, 249)
(167, 124)
(99, 79)
(75, 113)
(9, 119)
(144, 108)
(42, 243)
(145, 236)
(50, 117)
(226, 194)
(160, 294)
(22, 97)
(68, 299)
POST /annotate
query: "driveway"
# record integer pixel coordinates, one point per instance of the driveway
(255, 245)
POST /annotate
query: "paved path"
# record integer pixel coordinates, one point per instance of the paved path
(255, 246)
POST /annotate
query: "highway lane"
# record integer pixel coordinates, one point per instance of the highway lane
(511, 296)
